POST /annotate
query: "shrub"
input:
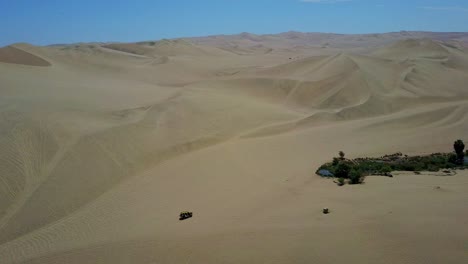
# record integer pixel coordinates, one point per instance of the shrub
(452, 158)
(449, 165)
(342, 170)
(432, 168)
(369, 166)
(408, 167)
(335, 161)
(355, 177)
(437, 161)
(386, 169)
(341, 181)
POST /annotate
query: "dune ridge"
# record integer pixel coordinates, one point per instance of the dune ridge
(14, 55)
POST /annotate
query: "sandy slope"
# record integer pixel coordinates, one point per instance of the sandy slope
(15, 55)
(100, 151)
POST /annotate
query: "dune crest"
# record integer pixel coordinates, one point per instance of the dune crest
(14, 55)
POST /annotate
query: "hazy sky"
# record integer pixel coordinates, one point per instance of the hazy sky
(66, 21)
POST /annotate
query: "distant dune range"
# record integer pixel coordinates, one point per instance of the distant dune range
(101, 150)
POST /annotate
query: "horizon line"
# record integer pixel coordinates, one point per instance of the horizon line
(240, 33)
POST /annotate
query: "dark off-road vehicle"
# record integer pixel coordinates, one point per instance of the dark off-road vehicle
(185, 215)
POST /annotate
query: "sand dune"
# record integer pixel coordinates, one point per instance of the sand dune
(99, 153)
(12, 54)
(364, 43)
(164, 48)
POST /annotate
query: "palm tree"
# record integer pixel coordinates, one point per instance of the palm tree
(341, 153)
(459, 147)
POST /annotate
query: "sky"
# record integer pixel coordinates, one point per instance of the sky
(44, 22)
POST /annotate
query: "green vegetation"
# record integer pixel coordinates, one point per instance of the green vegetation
(354, 171)
(341, 181)
(342, 170)
(386, 169)
(452, 158)
(356, 176)
(342, 154)
(459, 147)
(336, 161)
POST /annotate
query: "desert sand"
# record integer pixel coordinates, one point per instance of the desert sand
(103, 144)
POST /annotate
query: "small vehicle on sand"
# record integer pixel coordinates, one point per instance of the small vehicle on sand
(185, 215)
